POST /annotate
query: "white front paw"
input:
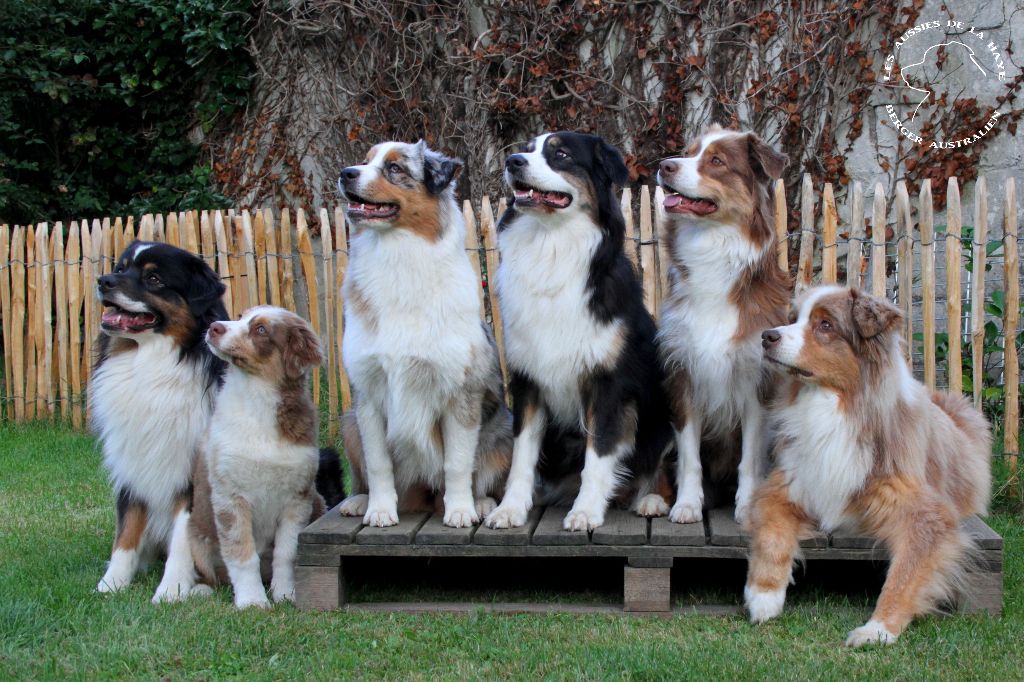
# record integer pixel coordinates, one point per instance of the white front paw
(172, 591)
(652, 505)
(381, 517)
(872, 632)
(763, 605)
(686, 512)
(509, 515)
(460, 517)
(112, 583)
(256, 598)
(354, 505)
(484, 506)
(283, 591)
(582, 520)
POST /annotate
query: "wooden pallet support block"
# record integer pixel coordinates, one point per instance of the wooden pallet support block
(647, 586)
(320, 588)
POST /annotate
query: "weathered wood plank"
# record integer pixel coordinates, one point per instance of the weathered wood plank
(847, 540)
(819, 540)
(549, 530)
(781, 228)
(805, 266)
(319, 588)
(646, 589)
(905, 265)
(434, 532)
(332, 528)
(621, 527)
(829, 221)
(983, 536)
(983, 593)
(954, 263)
(400, 534)
(855, 247)
(979, 256)
(926, 216)
(664, 532)
(509, 537)
(723, 529)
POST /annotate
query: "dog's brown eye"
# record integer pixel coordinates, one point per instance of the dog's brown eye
(560, 154)
(825, 326)
(261, 330)
(153, 279)
(394, 168)
(716, 161)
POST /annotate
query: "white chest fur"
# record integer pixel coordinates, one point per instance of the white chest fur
(248, 457)
(820, 456)
(697, 332)
(550, 334)
(150, 411)
(410, 354)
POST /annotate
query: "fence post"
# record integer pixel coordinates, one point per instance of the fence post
(647, 264)
(473, 252)
(954, 229)
(878, 241)
(60, 285)
(925, 216)
(829, 219)
(330, 308)
(308, 262)
(805, 266)
(5, 314)
(905, 265)
(1011, 315)
(781, 227)
(73, 258)
(855, 252)
(979, 249)
(341, 246)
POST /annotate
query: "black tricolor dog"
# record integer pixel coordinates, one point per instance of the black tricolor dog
(586, 380)
(152, 393)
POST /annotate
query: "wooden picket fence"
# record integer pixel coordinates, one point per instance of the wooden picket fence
(50, 314)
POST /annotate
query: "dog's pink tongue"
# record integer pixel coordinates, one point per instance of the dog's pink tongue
(673, 200)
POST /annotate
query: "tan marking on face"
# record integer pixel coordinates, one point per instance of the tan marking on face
(418, 211)
(130, 527)
(179, 323)
(826, 352)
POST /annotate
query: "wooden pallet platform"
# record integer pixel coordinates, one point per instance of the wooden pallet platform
(648, 548)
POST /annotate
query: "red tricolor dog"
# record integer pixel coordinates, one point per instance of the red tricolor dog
(861, 443)
(727, 288)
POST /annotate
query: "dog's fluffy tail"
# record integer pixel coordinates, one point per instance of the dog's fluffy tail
(328, 477)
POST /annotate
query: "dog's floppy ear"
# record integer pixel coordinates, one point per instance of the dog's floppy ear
(764, 159)
(302, 350)
(872, 316)
(204, 286)
(610, 159)
(438, 170)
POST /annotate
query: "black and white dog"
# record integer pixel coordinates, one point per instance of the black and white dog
(152, 394)
(586, 379)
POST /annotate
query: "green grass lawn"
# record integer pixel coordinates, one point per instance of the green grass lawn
(56, 516)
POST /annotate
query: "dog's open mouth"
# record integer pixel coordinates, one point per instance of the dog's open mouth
(361, 209)
(795, 371)
(531, 196)
(676, 202)
(118, 319)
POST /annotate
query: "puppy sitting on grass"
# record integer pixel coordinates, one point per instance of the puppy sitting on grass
(255, 480)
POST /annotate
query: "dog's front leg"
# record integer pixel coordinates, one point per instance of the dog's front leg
(286, 544)
(179, 571)
(611, 434)
(233, 518)
(382, 507)
(778, 524)
(461, 430)
(751, 457)
(528, 423)
(124, 559)
(689, 504)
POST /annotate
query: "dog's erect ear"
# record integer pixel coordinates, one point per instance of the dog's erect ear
(610, 159)
(872, 316)
(204, 287)
(302, 350)
(439, 171)
(764, 159)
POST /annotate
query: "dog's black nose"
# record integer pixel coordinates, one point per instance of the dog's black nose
(106, 282)
(770, 337)
(349, 174)
(515, 161)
